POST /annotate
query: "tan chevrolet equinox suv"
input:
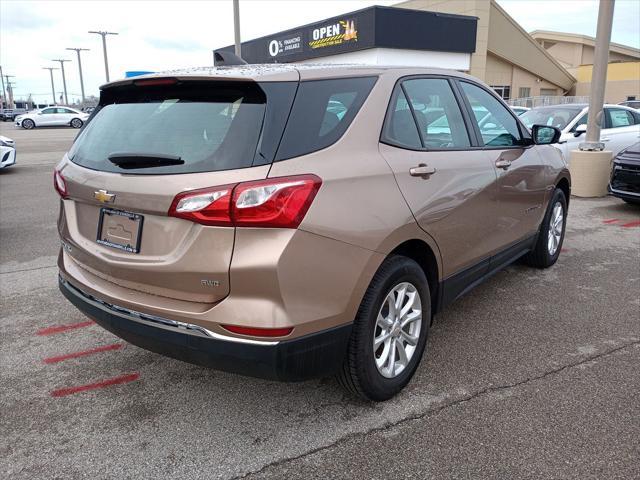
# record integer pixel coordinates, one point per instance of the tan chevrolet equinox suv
(297, 221)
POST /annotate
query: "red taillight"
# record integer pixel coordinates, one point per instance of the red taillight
(280, 202)
(275, 203)
(208, 206)
(259, 332)
(59, 184)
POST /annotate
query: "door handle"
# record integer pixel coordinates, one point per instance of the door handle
(503, 163)
(422, 170)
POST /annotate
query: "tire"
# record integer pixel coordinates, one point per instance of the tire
(543, 255)
(76, 123)
(28, 124)
(632, 202)
(360, 374)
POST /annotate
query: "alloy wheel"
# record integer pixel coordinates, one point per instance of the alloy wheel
(556, 222)
(397, 330)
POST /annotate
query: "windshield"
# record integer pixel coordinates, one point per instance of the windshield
(208, 129)
(558, 117)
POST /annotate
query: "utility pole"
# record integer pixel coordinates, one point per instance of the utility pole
(590, 166)
(4, 92)
(104, 49)
(53, 90)
(9, 91)
(78, 50)
(64, 80)
(236, 27)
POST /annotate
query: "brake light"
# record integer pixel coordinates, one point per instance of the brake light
(277, 203)
(271, 203)
(59, 184)
(155, 81)
(259, 332)
(208, 206)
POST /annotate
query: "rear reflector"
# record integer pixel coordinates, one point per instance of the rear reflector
(59, 184)
(259, 332)
(272, 203)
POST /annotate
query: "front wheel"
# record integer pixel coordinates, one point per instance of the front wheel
(76, 123)
(28, 124)
(390, 331)
(551, 235)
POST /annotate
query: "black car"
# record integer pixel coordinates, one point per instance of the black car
(625, 176)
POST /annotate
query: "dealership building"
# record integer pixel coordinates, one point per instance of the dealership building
(474, 36)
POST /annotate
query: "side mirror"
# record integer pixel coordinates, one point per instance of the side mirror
(580, 129)
(39, 113)
(545, 134)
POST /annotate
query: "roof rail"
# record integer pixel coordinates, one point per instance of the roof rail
(223, 59)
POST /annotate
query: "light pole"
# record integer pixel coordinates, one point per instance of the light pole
(104, 49)
(64, 80)
(590, 166)
(78, 50)
(4, 92)
(53, 90)
(9, 91)
(236, 27)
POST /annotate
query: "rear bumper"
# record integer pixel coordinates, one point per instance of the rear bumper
(313, 355)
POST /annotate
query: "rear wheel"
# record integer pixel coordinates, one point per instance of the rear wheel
(390, 331)
(551, 235)
(28, 124)
(76, 123)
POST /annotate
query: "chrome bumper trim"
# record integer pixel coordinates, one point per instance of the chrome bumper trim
(160, 322)
(624, 192)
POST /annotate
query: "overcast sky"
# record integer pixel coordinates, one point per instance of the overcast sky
(160, 35)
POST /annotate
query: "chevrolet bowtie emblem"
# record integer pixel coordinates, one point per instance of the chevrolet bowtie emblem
(104, 196)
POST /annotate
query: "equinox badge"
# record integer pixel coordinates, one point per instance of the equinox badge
(104, 196)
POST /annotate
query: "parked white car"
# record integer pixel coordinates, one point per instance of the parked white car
(52, 117)
(520, 110)
(7, 152)
(620, 128)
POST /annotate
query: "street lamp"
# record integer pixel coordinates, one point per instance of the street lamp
(104, 49)
(78, 50)
(53, 90)
(64, 80)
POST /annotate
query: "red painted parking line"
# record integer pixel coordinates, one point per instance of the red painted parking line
(611, 220)
(62, 392)
(631, 224)
(63, 328)
(83, 353)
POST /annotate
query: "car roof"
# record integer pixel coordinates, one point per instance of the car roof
(286, 72)
(577, 105)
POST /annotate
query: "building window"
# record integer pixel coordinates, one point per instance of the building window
(548, 92)
(524, 92)
(503, 90)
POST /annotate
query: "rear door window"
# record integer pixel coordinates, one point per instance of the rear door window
(437, 113)
(321, 113)
(619, 117)
(208, 126)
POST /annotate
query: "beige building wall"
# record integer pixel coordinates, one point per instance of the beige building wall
(500, 72)
(505, 53)
(474, 8)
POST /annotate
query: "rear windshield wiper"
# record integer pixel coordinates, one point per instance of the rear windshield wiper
(144, 160)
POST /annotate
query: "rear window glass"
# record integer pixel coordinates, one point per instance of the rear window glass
(208, 126)
(322, 112)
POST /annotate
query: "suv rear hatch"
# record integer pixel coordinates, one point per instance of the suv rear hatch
(148, 141)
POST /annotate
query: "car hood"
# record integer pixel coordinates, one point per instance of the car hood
(629, 155)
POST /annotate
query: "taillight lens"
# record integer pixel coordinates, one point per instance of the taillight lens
(59, 184)
(208, 206)
(275, 203)
(259, 332)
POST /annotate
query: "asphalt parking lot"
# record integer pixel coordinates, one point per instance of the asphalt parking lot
(534, 374)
